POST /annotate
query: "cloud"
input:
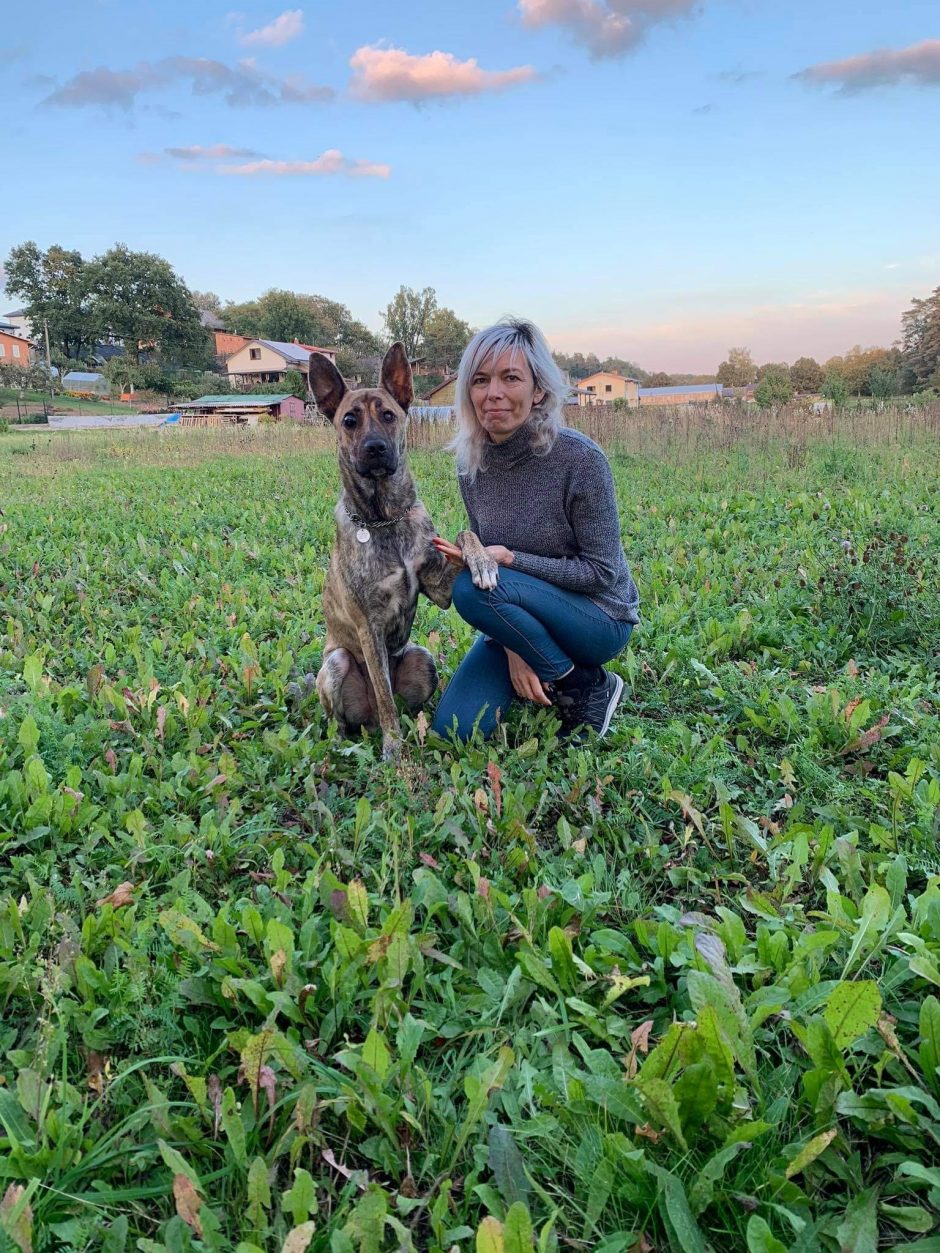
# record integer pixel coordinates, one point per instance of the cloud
(382, 74)
(918, 64)
(282, 30)
(240, 85)
(607, 28)
(737, 78)
(18, 52)
(210, 152)
(702, 109)
(330, 162)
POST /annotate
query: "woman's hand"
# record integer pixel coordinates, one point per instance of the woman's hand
(526, 683)
(501, 555)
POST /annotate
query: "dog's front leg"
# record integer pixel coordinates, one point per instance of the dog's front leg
(375, 655)
(483, 569)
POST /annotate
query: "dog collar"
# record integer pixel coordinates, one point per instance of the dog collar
(364, 534)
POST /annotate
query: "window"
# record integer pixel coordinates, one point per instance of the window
(608, 387)
(255, 354)
(590, 389)
(16, 350)
(2, 350)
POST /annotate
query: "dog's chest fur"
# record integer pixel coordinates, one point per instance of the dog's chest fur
(377, 580)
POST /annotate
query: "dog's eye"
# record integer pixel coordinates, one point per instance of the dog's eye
(388, 416)
(349, 421)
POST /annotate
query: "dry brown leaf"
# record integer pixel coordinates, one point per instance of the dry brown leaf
(20, 1232)
(123, 894)
(429, 861)
(421, 726)
(495, 777)
(851, 708)
(852, 668)
(358, 1177)
(866, 739)
(278, 962)
(298, 1238)
(188, 1203)
(483, 887)
(481, 801)
(214, 1092)
(161, 721)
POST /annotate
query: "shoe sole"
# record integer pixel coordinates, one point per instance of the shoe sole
(614, 701)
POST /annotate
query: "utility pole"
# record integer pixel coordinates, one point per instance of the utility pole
(45, 327)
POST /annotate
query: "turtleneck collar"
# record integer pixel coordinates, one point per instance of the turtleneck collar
(511, 452)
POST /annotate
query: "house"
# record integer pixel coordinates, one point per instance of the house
(682, 394)
(85, 383)
(444, 394)
(605, 387)
(244, 408)
(13, 348)
(268, 360)
(19, 322)
(227, 343)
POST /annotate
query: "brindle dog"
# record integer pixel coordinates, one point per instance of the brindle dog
(382, 557)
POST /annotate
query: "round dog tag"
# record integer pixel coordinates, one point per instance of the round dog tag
(363, 535)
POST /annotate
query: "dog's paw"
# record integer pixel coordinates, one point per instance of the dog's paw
(483, 570)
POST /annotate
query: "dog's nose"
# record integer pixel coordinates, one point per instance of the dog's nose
(374, 449)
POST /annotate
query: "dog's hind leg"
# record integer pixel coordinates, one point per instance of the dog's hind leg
(345, 692)
(414, 676)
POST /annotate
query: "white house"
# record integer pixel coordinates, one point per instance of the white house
(268, 360)
(17, 323)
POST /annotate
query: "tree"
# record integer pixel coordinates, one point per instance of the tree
(806, 375)
(777, 367)
(659, 379)
(445, 338)
(834, 388)
(285, 315)
(406, 317)
(54, 288)
(207, 300)
(920, 340)
(138, 298)
(739, 369)
(882, 383)
(774, 387)
(577, 365)
(627, 369)
(858, 364)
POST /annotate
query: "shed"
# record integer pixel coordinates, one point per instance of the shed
(444, 394)
(86, 383)
(246, 408)
(681, 394)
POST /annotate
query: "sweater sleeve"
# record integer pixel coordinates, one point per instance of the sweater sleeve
(591, 507)
(471, 516)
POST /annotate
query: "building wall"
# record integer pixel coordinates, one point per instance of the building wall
(268, 361)
(13, 350)
(226, 343)
(21, 324)
(620, 389)
(446, 394)
(292, 407)
(690, 397)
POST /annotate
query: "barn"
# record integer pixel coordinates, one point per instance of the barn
(243, 408)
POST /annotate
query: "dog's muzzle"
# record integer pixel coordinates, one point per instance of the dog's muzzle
(377, 459)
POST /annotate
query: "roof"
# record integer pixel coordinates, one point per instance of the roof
(16, 313)
(7, 326)
(236, 400)
(298, 353)
(609, 374)
(211, 320)
(440, 387)
(82, 376)
(679, 388)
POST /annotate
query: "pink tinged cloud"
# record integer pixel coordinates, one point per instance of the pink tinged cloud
(607, 28)
(330, 162)
(282, 30)
(918, 64)
(385, 74)
(209, 152)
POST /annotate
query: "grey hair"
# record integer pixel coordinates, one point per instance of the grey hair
(546, 420)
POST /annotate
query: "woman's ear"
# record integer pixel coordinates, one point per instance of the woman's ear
(538, 398)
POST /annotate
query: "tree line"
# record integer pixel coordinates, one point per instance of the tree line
(138, 301)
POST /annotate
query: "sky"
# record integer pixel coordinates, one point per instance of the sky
(651, 179)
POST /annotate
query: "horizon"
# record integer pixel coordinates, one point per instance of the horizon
(611, 169)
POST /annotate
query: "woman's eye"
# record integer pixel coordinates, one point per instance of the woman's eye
(349, 421)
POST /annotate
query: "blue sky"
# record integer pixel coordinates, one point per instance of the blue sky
(657, 179)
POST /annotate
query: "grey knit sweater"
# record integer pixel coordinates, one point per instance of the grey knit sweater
(558, 514)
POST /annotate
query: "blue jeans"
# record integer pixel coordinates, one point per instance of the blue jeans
(548, 627)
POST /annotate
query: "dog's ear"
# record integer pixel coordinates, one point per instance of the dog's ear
(396, 376)
(326, 383)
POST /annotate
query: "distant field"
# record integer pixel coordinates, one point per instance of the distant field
(61, 404)
(674, 990)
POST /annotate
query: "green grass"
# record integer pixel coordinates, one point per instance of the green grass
(60, 403)
(680, 985)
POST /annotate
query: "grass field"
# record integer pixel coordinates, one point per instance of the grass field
(674, 990)
(61, 404)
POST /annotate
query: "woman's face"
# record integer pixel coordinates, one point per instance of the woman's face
(503, 393)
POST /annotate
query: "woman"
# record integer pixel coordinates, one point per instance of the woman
(541, 498)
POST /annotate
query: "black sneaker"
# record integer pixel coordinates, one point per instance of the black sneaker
(590, 708)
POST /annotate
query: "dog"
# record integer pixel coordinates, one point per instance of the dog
(382, 556)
